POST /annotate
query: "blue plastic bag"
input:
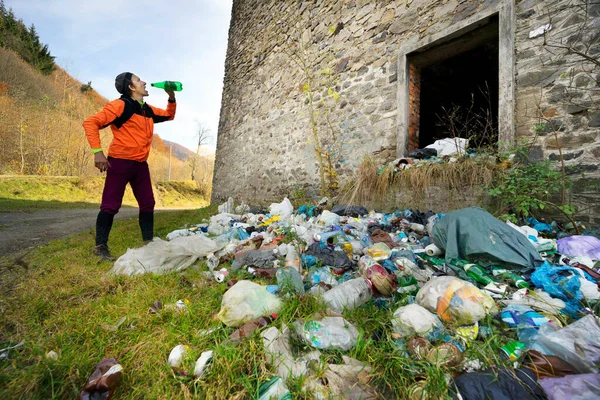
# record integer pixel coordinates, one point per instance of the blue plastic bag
(567, 288)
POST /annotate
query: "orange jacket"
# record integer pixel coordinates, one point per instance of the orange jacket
(133, 139)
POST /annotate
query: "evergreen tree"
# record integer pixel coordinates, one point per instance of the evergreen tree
(15, 35)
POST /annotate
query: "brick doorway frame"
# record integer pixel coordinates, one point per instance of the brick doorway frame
(409, 75)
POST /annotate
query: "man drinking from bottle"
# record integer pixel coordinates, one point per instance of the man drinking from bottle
(131, 121)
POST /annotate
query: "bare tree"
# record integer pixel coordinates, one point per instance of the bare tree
(203, 137)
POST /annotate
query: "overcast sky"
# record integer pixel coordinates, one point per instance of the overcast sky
(182, 40)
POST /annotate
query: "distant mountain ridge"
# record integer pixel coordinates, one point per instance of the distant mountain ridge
(179, 151)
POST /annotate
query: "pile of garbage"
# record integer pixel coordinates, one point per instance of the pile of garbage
(454, 272)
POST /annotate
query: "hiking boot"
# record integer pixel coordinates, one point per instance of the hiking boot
(102, 251)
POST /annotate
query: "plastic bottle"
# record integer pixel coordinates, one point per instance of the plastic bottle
(249, 327)
(474, 272)
(289, 280)
(348, 295)
(292, 259)
(338, 236)
(366, 241)
(169, 85)
(514, 279)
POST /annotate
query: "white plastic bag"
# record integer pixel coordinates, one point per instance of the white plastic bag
(328, 218)
(414, 320)
(159, 256)
(246, 301)
(449, 146)
(283, 209)
(227, 207)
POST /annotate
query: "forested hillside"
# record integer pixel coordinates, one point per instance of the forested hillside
(42, 108)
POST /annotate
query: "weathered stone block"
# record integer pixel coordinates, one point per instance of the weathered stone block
(526, 14)
(580, 168)
(594, 119)
(537, 78)
(565, 156)
(575, 109)
(567, 141)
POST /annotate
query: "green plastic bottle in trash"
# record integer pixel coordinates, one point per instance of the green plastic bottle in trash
(512, 278)
(474, 271)
(168, 85)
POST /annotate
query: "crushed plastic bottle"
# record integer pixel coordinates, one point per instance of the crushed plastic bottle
(348, 295)
(330, 333)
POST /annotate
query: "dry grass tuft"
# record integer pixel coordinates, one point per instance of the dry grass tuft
(377, 188)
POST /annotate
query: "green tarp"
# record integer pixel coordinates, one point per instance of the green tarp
(475, 235)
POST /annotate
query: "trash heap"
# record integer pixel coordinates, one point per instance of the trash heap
(458, 275)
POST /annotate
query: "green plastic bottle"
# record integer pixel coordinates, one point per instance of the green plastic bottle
(512, 278)
(474, 272)
(168, 85)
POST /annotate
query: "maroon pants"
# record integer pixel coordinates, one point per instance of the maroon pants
(119, 174)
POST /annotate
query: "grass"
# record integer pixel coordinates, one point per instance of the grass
(43, 192)
(412, 187)
(60, 298)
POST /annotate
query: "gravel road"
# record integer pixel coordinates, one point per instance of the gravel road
(22, 230)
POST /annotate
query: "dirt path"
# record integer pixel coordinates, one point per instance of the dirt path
(25, 230)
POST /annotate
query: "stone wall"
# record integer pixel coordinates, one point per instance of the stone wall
(348, 51)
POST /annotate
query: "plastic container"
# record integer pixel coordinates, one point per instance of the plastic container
(289, 281)
(348, 295)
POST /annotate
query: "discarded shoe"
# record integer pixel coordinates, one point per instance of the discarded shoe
(102, 251)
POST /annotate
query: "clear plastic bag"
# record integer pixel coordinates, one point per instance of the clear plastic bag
(159, 256)
(455, 301)
(578, 343)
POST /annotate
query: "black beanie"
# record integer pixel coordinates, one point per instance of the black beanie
(122, 81)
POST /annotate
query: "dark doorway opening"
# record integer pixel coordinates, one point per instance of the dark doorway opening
(454, 89)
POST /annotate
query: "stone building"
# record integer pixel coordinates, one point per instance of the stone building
(379, 78)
